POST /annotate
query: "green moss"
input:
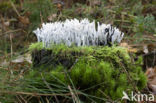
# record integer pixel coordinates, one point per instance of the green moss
(61, 48)
(60, 76)
(106, 69)
(36, 46)
(142, 82)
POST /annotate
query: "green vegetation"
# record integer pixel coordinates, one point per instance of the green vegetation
(100, 72)
(94, 74)
(4, 6)
(127, 15)
(40, 10)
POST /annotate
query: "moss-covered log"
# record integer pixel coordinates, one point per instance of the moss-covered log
(99, 71)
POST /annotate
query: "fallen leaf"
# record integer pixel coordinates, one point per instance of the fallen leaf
(21, 62)
(52, 17)
(7, 23)
(124, 44)
(24, 20)
(153, 87)
(129, 48)
(133, 50)
(22, 58)
(19, 59)
(95, 2)
(79, 11)
(150, 47)
(4, 64)
(145, 49)
(151, 75)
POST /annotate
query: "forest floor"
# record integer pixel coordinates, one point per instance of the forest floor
(18, 19)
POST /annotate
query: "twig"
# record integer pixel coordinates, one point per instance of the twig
(109, 99)
(10, 70)
(34, 94)
(23, 99)
(41, 17)
(12, 31)
(75, 100)
(19, 100)
(73, 64)
(49, 87)
(11, 45)
(29, 98)
(47, 100)
(14, 8)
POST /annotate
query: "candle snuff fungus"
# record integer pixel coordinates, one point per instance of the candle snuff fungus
(78, 32)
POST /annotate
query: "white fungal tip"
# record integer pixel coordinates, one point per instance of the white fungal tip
(80, 33)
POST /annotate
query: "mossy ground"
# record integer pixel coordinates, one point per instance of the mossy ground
(98, 71)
